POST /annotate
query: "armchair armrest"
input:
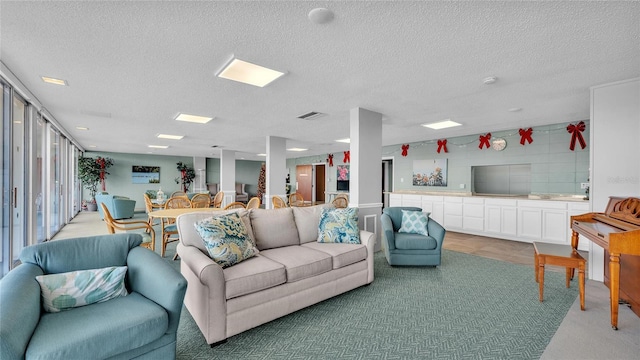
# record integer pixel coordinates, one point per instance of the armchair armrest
(436, 231)
(388, 235)
(156, 280)
(20, 310)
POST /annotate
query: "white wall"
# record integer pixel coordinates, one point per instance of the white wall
(615, 166)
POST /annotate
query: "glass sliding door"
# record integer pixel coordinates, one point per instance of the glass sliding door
(54, 181)
(40, 179)
(14, 238)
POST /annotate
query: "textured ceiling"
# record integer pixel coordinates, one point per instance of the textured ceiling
(133, 66)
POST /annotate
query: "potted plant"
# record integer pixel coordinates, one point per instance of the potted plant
(187, 175)
(92, 172)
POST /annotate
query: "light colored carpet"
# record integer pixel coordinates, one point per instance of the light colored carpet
(588, 334)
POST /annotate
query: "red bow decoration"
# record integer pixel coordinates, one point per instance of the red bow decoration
(484, 141)
(101, 162)
(525, 135)
(442, 144)
(330, 159)
(405, 149)
(576, 133)
(347, 155)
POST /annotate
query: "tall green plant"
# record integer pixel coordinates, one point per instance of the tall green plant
(187, 175)
(91, 171)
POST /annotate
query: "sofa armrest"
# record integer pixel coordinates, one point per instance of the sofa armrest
(436, 231)
(208, 272)
(20, 310)
(369, 239)
(152, 277)
(388, 235)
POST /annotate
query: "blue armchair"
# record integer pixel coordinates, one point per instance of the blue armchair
(410, 249)
(120, 207)
(141, 325)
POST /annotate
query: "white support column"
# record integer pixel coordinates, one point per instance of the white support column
(200, 167)
(276, 177)
(228, 176)
(365, 185)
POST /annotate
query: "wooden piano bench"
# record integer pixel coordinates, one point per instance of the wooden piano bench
(559, 255)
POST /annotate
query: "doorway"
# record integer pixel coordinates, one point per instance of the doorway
(319, 184)
(387, 180)
(304, 181)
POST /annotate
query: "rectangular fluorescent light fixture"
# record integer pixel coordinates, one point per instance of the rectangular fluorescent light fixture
(170, 137)
(194, 118)
(297, 149)
(261, 154)
(441, 124)
(54, 81)
(158, 146)
(248, 73)
(82, 128)
(346, 141)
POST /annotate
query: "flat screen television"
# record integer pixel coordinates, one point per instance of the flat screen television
(342, 185)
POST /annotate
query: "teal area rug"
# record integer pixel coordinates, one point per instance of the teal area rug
(468, 308)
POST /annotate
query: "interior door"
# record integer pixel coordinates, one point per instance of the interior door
(304, 181)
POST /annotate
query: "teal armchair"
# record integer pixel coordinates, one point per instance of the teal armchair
(141, 325)
(410, 249)
(120, 207)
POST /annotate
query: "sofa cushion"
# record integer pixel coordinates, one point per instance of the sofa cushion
(414, 222)
(339, 226)
(342, 254)
(99, 330)
(307, 220)
(83, 287)
(300, 262)
(406, 241)
(255, 274)
(274, 228)
(226, 239)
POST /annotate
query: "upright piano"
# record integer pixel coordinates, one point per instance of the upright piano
(617, 231)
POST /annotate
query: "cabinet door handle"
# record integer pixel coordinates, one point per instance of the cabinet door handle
(15, 197)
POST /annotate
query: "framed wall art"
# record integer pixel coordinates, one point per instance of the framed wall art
(430, 172)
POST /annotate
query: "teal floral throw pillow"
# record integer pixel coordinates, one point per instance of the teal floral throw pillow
(339, 226)
(226, 239)
(78, 288)
(414, 222)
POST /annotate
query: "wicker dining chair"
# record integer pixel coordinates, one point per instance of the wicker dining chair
(148, 236)
(200, 201)
(149, 206)
(296, 199)
(254, 203)
(235, 205)
(217, 200)
(341, 201)
(277, 202)
(169, 228)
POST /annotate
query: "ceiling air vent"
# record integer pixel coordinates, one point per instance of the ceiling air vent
(311, 115)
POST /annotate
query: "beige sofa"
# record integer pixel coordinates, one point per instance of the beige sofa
(292, 271)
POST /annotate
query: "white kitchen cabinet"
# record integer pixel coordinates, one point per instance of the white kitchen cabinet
(395, 200)
(473, 213)
(410, 200)
(501, 217)
(543, 221)
(452, 213)
(435, 206)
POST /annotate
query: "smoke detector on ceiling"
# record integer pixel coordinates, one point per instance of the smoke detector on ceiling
(320, 15)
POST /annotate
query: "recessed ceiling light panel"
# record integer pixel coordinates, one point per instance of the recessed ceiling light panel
(81, 128)
(296, 149)
(346, 141)
(441, 124)
(54, 81)
(248, 73)
(159, 146)
(261, 154)
(170, 137)
(194, 118)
